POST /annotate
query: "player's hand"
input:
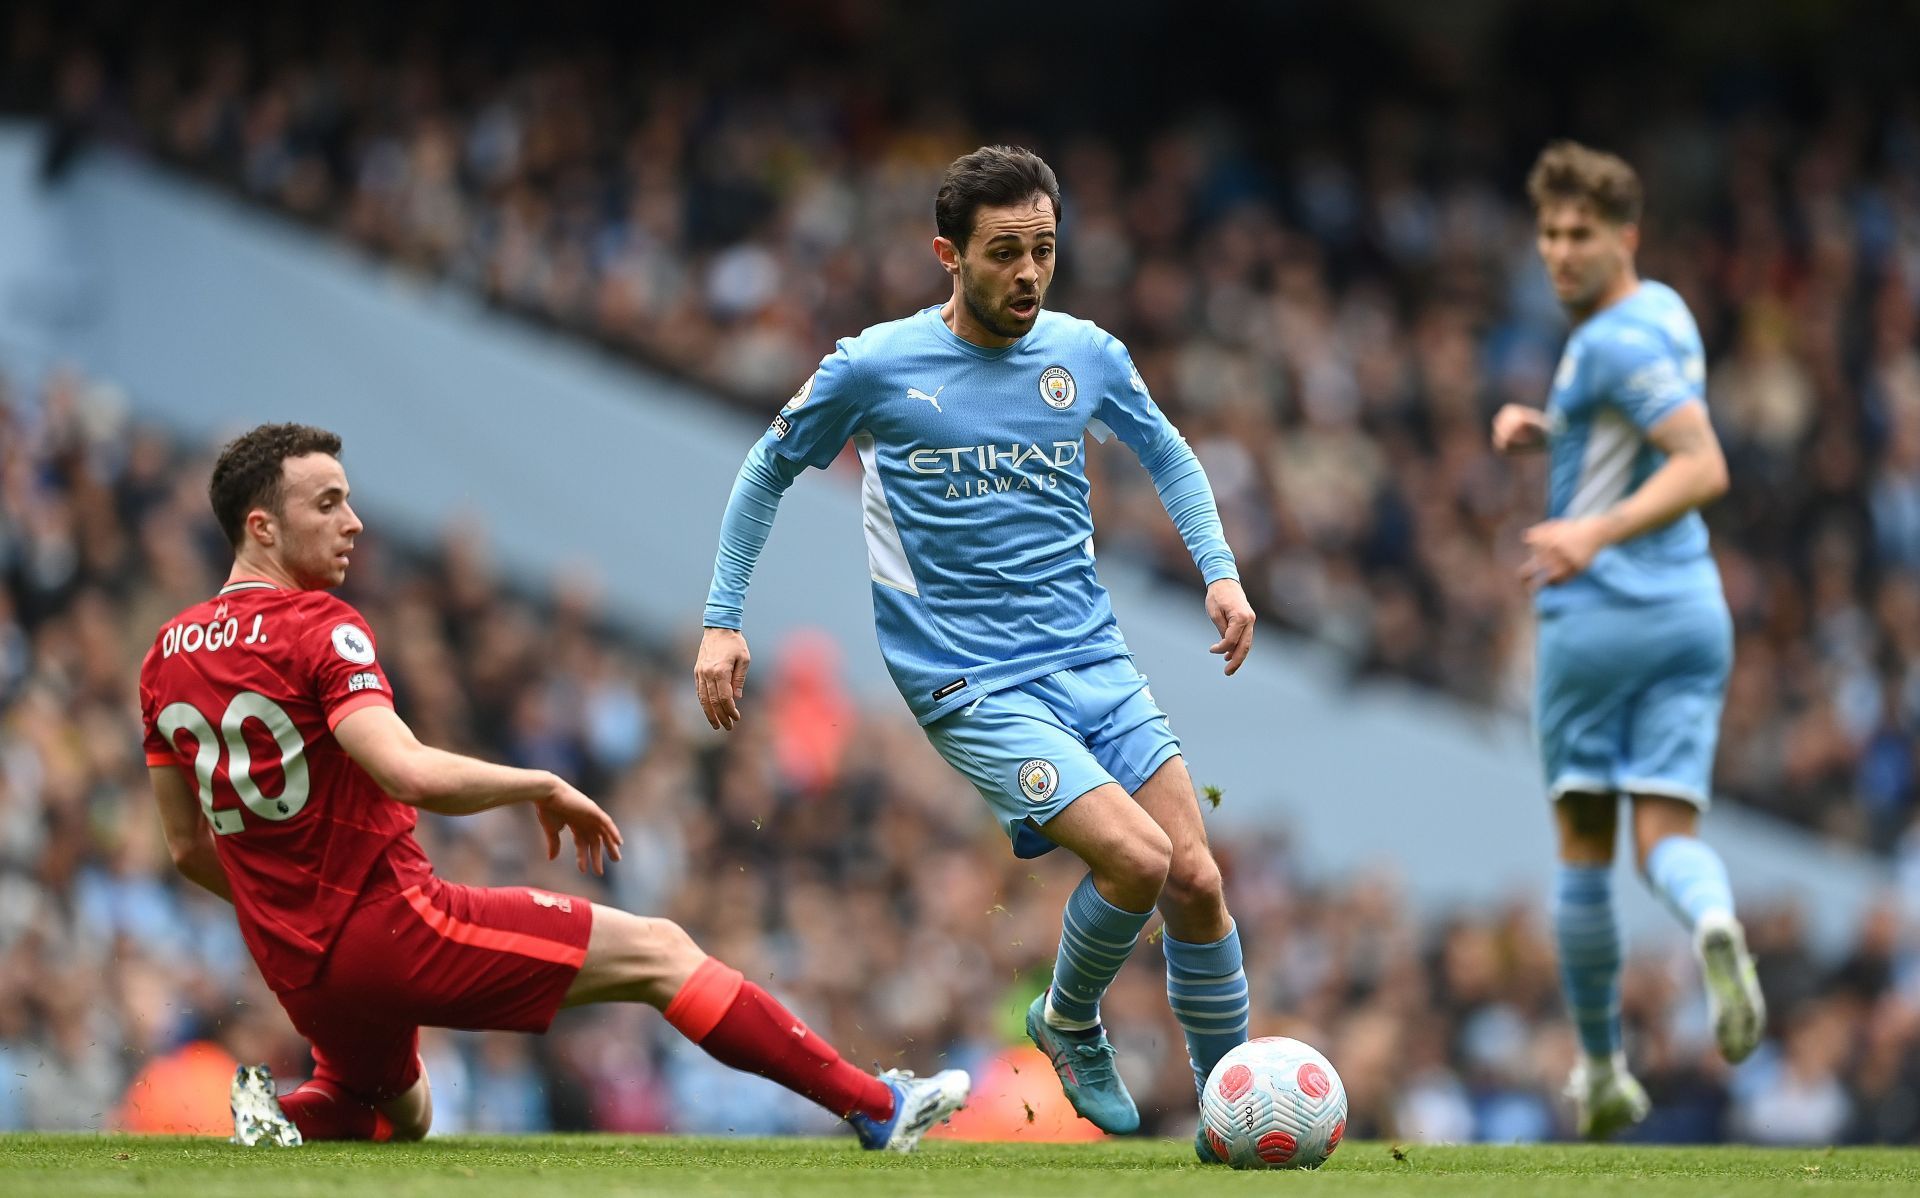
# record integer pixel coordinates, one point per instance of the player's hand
(1232, 615)
(720, 676)
(596, 840)
(1560, 549)
(1518, 428)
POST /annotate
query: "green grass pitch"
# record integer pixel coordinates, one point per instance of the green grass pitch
(583, 1166)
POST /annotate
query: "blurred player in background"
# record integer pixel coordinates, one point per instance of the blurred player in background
(287, 785)
(969, 418)
(1635, 641)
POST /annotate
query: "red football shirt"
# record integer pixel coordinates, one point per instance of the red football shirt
(243, 692)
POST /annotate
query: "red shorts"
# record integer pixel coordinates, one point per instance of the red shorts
(441, 955)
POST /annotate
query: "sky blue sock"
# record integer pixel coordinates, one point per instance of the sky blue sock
(1207, 989)
(1686, 873)
(1589, 938)
(1095, 940)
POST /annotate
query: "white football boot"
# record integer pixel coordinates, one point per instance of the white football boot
(1606, 1101)
(918, 1104)
(257, 1117)
(1733, 987)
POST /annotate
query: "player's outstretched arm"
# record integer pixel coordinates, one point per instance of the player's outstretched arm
(1694, 474)
(380, 742)
(188, 837)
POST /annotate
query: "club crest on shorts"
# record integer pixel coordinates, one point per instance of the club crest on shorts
(1056, 387)
(1038, 779)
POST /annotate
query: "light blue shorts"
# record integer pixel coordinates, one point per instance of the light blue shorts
(1628, 698)
(1034, 748)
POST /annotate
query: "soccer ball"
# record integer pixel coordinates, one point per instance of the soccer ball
(1274, 1103)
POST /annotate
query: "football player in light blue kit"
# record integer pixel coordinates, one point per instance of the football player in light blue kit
(1635, 642)
(969, 419)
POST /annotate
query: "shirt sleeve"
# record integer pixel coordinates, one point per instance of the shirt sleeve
(814, 425)
(344, 668)
(748, 520)
(1644, 378)
(1127, 411)
(159, 750)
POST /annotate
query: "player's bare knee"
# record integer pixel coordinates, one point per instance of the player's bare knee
(1146, 859)
(411, 1115)
(1588, 826)
(1657, 817)
(1194, 883)
(413, 1129)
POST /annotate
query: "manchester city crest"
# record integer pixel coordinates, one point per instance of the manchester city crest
(1056, 387)
(1038, 778)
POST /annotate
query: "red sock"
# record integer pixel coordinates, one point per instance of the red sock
(741, 1025)
(324, 1113)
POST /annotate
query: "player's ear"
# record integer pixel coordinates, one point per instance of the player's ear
(948, 253)
(1630, 238)
(262, 528)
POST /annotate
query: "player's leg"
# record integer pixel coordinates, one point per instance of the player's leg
(323, 1110)
(1206, 983)
(1607, 1098)
(1690, 877)
(1682, 870)
(632, 958)
(1206, 980)
(368, 1081)
(1047, 789)
(1668, 767)
(1206, 976)
(1671, 743)
(1585, 925)
(1126, 855)
(1580, 717)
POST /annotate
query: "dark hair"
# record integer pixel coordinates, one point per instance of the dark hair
(990, 177)
(1568, 170)
(248, 474)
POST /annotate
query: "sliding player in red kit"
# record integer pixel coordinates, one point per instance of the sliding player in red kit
(287, 785)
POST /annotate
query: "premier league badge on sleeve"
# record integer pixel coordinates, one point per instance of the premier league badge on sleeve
(353, 644)
(1056, 387)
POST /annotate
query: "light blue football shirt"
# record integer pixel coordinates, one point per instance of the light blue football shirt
(974, 500)
(1627, 368)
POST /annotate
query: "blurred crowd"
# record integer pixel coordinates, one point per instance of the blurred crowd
(821, 848)
(1329, 284)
